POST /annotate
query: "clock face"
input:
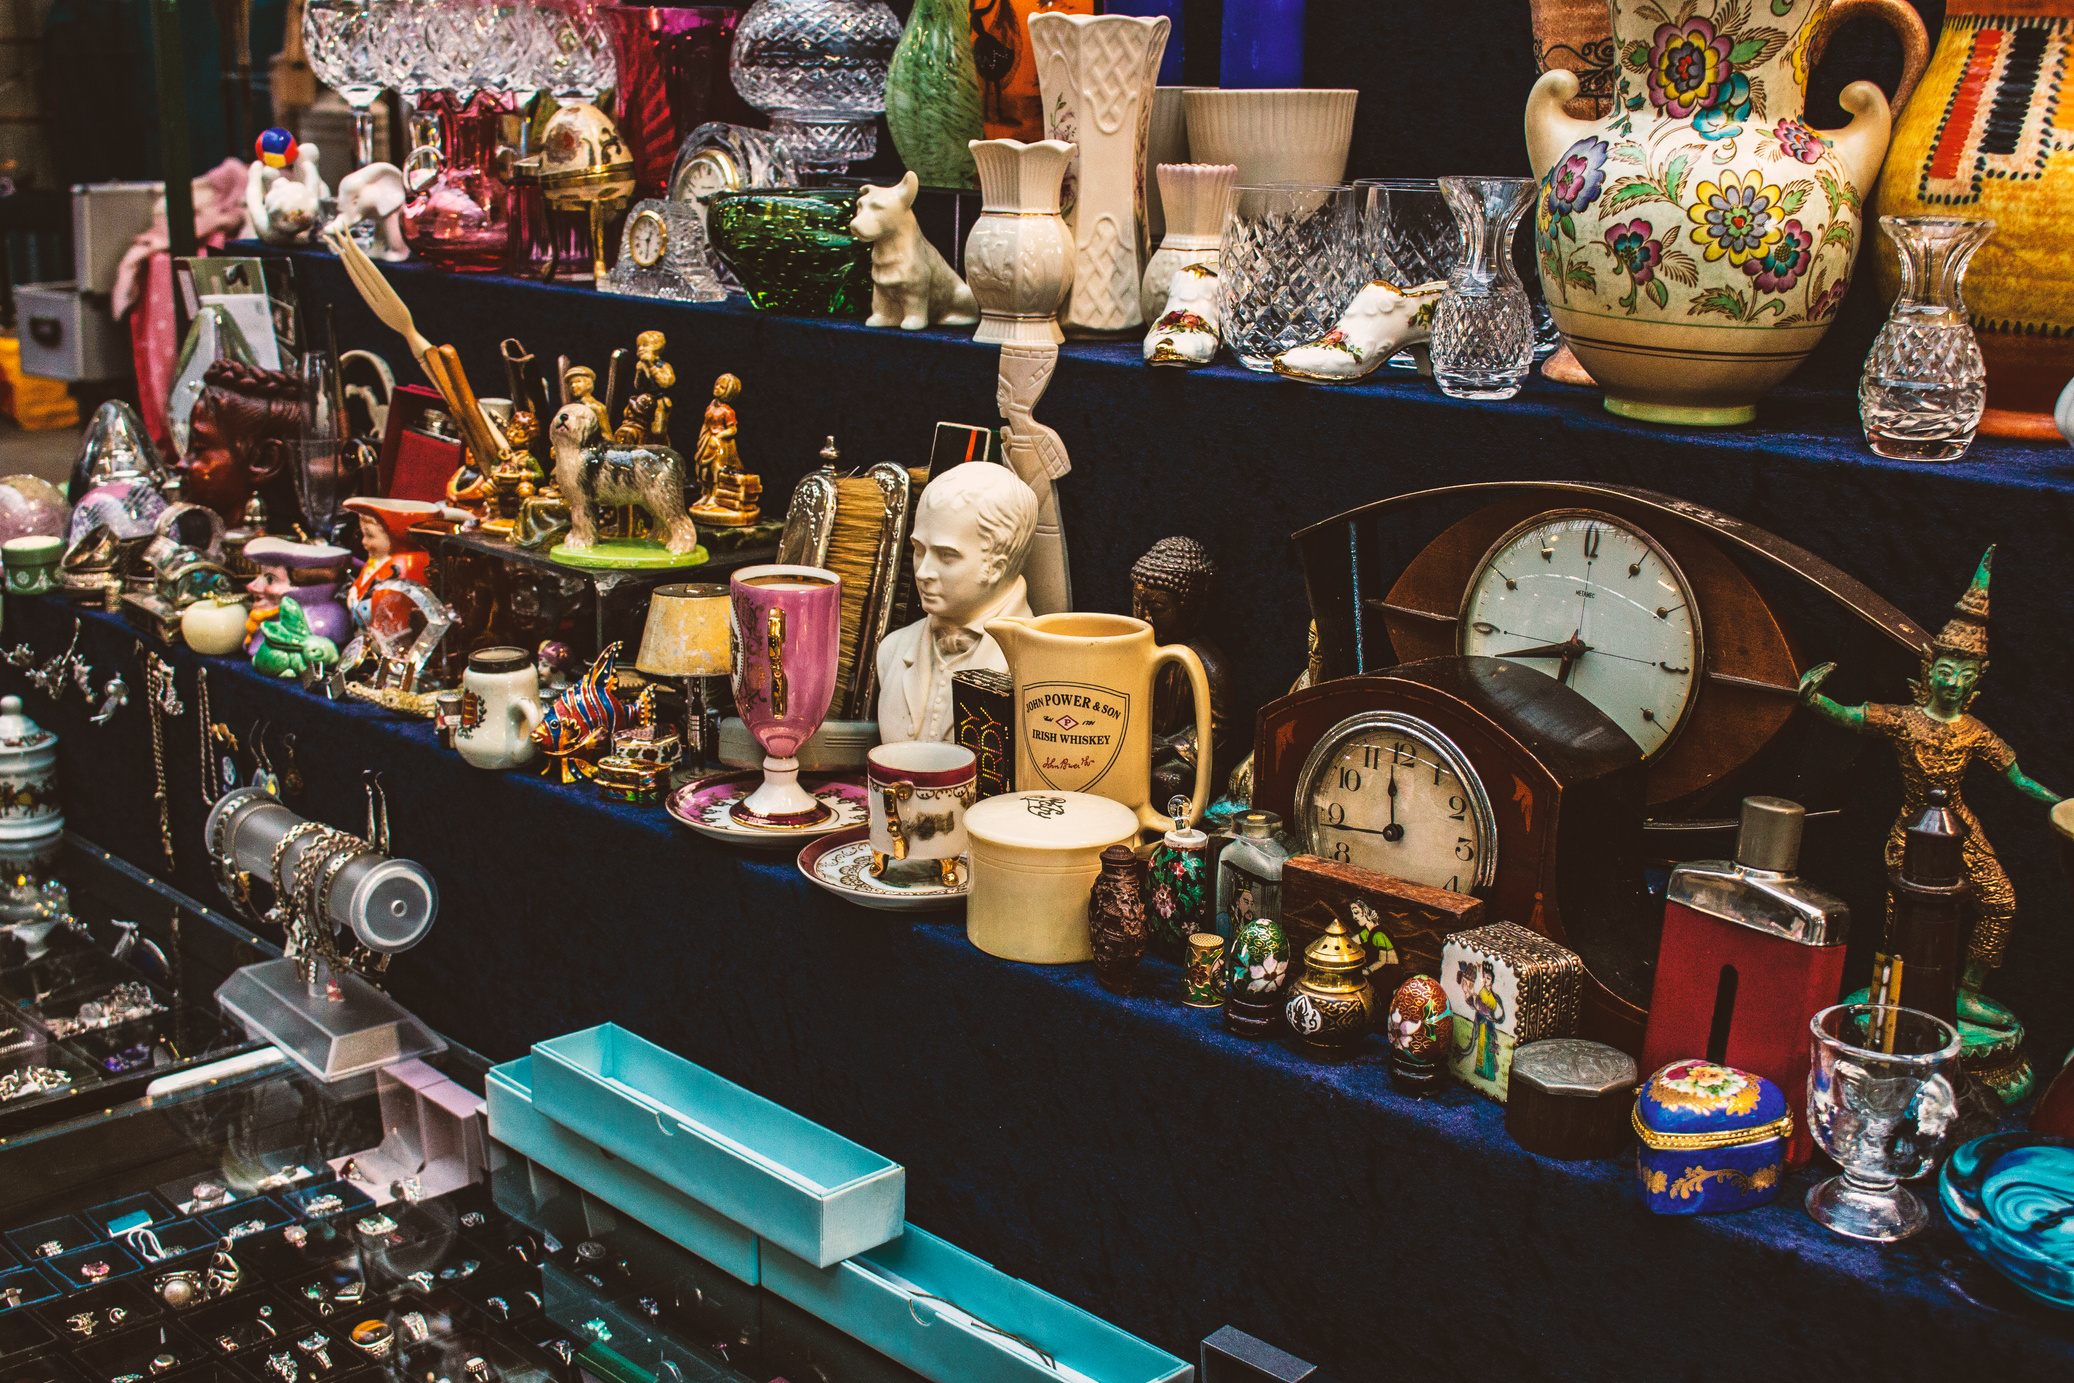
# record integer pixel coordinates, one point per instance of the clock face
(646, 239)
(1598, 605)
(1388, 792)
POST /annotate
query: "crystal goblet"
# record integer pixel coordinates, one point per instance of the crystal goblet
(1880, 1098)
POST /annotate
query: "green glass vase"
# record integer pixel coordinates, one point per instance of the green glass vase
(932, 95)
(792, 250)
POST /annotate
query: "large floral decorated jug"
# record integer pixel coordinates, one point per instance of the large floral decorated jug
(1695, 243)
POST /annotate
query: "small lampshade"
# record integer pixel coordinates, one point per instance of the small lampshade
(686, 634)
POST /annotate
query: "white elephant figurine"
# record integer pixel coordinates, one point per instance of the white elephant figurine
(374, 193)
(285, 203)
(1382, 320)
(911, 285)
(1187, 332)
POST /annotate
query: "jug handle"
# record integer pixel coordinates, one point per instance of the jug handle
(1550, 129)
(1898, 15)
(527, 714)
(1199, 685)
(1862, 144)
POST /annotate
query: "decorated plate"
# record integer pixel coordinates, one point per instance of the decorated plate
(841, 863)
(703, 805)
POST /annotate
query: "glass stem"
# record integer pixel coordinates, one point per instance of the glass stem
(363, 135)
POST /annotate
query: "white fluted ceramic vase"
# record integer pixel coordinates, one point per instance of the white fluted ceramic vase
(1019, 256)
(1298, 135)
(1096, 73)
(1193, 196)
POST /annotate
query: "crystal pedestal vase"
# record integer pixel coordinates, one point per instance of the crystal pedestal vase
(1483, 329)
(819, 67)
(1925, 384)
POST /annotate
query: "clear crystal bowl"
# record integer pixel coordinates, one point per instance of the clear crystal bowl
(819, 68)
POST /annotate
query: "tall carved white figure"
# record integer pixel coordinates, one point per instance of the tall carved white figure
(1037, 455)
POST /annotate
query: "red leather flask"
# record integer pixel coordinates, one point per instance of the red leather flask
(1750, 954)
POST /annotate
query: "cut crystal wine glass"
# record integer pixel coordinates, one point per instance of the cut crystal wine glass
(342, 40)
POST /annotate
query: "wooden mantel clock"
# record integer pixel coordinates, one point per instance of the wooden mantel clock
(1485, 777)
(1570, 659)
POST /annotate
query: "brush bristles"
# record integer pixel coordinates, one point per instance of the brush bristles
(853, 554)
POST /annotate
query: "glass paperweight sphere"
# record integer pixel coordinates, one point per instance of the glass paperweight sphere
(2011, 1197)
(819, 68)
(791, 248)
(1925, 383)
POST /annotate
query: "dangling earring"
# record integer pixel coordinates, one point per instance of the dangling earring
(291, 776)
(263, 775)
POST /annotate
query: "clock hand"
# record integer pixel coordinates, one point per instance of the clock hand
(1570, 648)
(1393, 832)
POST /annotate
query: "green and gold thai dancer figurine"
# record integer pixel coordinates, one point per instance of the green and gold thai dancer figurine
(1935, 741)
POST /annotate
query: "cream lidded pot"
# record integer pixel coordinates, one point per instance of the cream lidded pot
(1035, 855)
(215, 625)
(500, 708)
(29, 808)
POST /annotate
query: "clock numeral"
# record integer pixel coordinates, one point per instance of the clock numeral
(1676, 671)
(1336, 814)
(1458, 810)
(1465, 848)
(1591, 543)
(1341, 853)
(1350, 778)
(1454, 884)
(1371, 756)
(1437, 771)
(1402, 754)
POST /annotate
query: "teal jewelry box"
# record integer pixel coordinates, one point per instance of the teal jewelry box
(812, 1192)
(515, 1123)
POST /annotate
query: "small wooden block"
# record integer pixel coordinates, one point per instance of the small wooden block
(1403, 924)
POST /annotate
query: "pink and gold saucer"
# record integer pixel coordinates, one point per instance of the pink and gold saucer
(707, 806)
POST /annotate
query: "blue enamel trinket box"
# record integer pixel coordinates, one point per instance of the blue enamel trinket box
(1713, 1139)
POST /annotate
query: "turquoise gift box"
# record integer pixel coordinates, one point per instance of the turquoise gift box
(515, 1123)
(792, 1182)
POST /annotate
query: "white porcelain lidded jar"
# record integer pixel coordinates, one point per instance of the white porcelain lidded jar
(1019, 256)
(29, 807)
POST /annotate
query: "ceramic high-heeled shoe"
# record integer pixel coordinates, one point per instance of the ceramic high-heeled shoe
(1186, 333)
(1382, 320)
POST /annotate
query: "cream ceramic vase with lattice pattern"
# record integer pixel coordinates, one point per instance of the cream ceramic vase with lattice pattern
(1096, 73)
(1695, 243)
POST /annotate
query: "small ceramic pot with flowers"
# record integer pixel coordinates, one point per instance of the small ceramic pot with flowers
(1256, 972)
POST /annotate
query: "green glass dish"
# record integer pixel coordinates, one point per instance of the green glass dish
(792, 250)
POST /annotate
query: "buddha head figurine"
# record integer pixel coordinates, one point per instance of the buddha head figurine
(242, 441)
(1171, 586)
(971, 535)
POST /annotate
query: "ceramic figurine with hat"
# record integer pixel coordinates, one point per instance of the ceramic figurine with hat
(728, 494)
(310, 573)
(1935, 741)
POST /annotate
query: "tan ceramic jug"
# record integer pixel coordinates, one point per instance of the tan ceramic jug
(1083, 707)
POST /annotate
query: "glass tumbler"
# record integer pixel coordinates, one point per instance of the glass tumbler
(1408, 237)
(1925, 384)
(1289, 261)
(1880, 1098)
(1483, 329)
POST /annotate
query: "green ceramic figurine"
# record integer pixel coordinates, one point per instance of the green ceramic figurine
(287, 647)
(1935, 741)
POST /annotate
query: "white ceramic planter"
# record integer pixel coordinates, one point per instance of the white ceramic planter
(1018, 257)
(1194, 195)
(1096, 73)
(1292, 136)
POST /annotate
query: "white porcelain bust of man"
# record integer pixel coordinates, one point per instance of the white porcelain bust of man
(972, 532)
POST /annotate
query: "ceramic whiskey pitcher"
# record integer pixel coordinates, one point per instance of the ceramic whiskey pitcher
(1695, 243)
(1083, 707)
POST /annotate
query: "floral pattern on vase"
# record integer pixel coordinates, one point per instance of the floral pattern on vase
(1258, 964)
(1178, 893)
(1695, 243)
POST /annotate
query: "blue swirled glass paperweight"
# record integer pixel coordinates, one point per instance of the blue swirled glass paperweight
(2011, 1197)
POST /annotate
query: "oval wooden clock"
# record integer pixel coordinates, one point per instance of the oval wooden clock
(1634, 599)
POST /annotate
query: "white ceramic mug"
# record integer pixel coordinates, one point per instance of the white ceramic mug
(917, 793)
(500, 708)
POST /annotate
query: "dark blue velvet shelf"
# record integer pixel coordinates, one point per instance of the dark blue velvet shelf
(1242, 460)
(1127, 1154)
